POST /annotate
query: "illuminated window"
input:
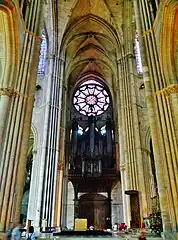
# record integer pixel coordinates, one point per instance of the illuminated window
(91, 99)
(137, 55)
(42, 56)
(80, 130)
(103, 130)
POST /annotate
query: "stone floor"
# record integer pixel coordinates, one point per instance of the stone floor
(120, 236)
(96, 238)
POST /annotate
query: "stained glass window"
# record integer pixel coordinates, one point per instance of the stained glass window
(137, 55)
(42, 56)
(103, 130)
(80, 130)
(91, 98)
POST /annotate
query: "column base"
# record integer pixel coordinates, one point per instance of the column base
(3, 235)
(58, 229)
(37, 230)
(169, 235)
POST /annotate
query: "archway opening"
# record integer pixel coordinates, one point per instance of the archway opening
(26, 189)
(95, 208)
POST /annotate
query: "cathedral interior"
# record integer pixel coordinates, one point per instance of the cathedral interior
(89, 113)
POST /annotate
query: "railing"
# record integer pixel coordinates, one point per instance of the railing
(105, 172)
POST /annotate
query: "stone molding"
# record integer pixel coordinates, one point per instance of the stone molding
(123, 167)
(7, 92)
(11, 93)
(171, 89)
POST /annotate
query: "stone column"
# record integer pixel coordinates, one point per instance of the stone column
(20, 178)
(126, 198)
(5, 97)
(64, 197)
(132, 144)
(59, 185)
(158, 113)
(8, 76)
(61, 160)
(76, 208)
(16, 137)
(123, 146)
(58, 202)
(173, 93)
(21, 78)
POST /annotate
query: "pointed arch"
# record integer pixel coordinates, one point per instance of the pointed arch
(9, 57)
(168, 41)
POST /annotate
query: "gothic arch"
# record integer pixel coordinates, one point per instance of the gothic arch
(104, 61)
(9, 58)
(169, 44)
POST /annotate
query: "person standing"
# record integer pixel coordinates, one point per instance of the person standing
(31, 235)
(141, 236)
(16, 234)
(9, 232)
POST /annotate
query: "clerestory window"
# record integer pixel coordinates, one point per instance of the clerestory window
(138, 55)
(42, 56)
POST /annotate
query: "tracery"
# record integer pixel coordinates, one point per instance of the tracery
(91, 98)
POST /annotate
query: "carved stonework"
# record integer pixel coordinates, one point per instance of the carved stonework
(11, 93)
(7, 92)
(60, 166)
(166, 92)
(123, 167)
(173, 88)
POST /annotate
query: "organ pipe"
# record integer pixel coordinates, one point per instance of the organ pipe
(74, 136)
(92, 134)
(109, 137)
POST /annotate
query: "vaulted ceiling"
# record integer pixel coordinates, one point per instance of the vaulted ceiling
(92, 39)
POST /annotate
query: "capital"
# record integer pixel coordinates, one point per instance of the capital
(123, 167)
(7, 92)
(60, 166)
(172, 88)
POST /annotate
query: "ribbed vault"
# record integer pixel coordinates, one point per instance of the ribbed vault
(91, 43)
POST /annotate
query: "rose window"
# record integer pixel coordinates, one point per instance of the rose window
(91, 99)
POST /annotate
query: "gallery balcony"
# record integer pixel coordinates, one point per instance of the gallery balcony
(111, 173)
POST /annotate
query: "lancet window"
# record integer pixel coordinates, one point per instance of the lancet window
(138, 55)
(42, 56)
